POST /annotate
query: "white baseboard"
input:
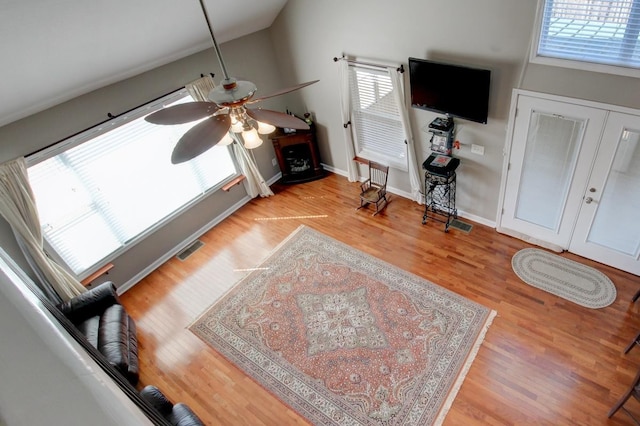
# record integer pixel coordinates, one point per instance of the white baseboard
(185, 243)
(477, 219)
(274, 179)
(332, 169)
(390, 189)
(396, 191)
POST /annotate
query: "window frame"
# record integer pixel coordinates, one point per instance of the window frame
(536, 58)
(102, 128)
(365, 152)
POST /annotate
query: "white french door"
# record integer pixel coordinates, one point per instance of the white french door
(608, 226)
(572, 178)
(551, 153)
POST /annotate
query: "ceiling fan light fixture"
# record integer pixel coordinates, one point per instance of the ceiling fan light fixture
(265, 128)
(237, 126)
(224, 117)
(226, 140)
(251, 138)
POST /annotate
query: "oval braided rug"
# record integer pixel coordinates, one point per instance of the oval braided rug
(566, 278)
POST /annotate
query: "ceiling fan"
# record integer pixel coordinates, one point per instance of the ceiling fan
(226, 112)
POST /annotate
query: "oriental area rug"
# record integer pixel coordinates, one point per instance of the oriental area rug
(573, 281)
(344, 338)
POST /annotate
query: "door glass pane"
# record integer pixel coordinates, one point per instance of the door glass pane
(616, 223)
(553, 143)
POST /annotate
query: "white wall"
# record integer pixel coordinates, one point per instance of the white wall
(490, 34)
(598, 87)
(493, 34)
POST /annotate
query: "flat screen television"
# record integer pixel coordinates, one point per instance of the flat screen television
(454, 90)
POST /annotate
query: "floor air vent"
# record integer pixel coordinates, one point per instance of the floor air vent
(462, 226)
(192, 248)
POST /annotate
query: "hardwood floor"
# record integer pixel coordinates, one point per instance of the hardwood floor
(545, 361)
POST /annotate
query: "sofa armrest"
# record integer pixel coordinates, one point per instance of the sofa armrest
(156, 398)
(90, 303)
(179, 414)
(183, 415)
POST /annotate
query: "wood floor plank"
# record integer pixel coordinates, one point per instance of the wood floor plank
(544, 360)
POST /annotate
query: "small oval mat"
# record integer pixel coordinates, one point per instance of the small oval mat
(566, 278)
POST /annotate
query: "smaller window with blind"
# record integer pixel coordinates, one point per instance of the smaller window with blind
(376, 119)
(105, 189)
(596, 35)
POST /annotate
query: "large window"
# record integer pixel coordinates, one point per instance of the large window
(379, 134)
(599, 35)
(105, 189)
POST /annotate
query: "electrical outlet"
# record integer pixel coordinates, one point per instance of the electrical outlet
(274, 161)
(477, 149)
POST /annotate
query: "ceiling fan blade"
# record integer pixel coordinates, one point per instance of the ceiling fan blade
(182, 113)
(283, 91)
(200, 138)
(278, 119)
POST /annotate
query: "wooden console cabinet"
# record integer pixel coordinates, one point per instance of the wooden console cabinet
(298, 155)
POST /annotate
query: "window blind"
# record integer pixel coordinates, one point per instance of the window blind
(597, 31)
(376, 119)
(98, 197)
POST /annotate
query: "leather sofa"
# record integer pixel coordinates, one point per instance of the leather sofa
(178, 415)
(99, 316)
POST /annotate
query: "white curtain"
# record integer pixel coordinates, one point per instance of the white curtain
(18, 207)
(254, 183)
(414, 172)
(199, 89)
(345, 99)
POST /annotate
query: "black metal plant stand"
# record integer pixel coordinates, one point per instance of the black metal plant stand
(440, 192)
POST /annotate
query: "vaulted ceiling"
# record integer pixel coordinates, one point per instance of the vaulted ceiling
(54, 50)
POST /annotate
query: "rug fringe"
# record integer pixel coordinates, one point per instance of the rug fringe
(465, 369)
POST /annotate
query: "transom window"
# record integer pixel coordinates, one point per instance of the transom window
(379, 134)
(601, 33)
(103, 190)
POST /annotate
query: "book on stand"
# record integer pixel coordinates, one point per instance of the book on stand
(440, 161)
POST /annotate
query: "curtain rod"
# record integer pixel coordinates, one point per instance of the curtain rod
(400, 69)
(110, 117)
